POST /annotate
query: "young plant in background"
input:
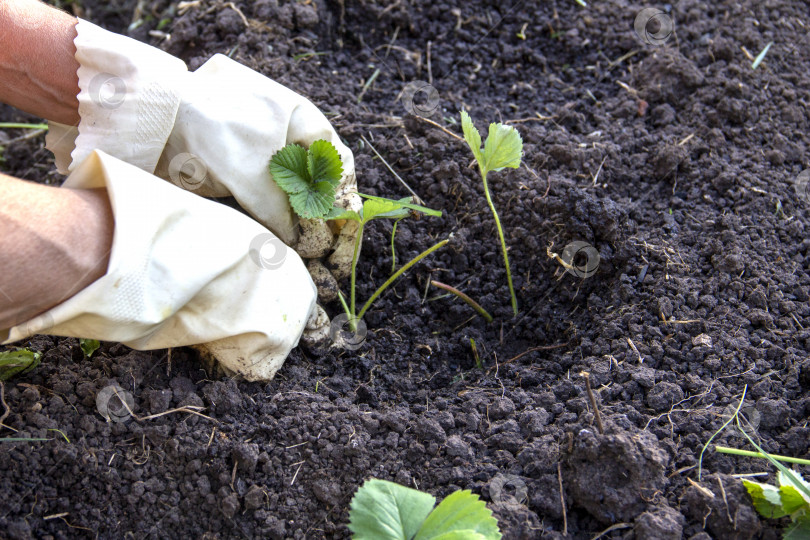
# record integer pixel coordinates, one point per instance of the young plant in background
(378, 208)
(503, 148)
(382, 510)
(89, 346)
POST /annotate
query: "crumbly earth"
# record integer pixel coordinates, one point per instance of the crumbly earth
(675, 162)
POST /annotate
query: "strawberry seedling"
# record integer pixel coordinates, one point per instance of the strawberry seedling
(382, 510)
(310, 178)
(503, 148)
(378, 208)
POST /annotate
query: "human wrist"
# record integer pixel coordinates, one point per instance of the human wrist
(37, 63)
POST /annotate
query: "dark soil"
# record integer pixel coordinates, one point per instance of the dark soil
(701, 290)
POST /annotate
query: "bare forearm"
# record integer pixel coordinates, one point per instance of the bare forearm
(37, 60)
(54, 242)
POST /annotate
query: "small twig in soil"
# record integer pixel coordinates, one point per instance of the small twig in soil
(615, 527)
(192, 409)
(562, 501)
(300, 464)
(239, 12)
(534, 349)
(430, 71)
(441, 127)
(368, 84)
(592, 399)
(472, 303)
(416, 198)
(5, 405)
(633, 346)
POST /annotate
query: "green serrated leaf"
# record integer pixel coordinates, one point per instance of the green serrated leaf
(89, 346)
(472, 136)
(382, 208)
(382, 510)
(460, 511)
(314, 202)
(766, 499)
(799, 487)
(15, 362)
(503, 148)
(341, 213)
(461, 535)
(323, 163)
(405, 202)
(289, 169)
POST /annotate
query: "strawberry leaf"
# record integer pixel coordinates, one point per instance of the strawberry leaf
(460, 511)
(383, 510)
(289, 169)
(503, 148)
(309, 177)
(323, 163)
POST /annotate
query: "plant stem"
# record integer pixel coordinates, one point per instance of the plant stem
(396, 274)
(357, 241)
(503, 242)
(472, 303)
(727, 422)
(15, 125)
(748, 453)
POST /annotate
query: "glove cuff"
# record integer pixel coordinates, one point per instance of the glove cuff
(125, 87)
(183, 271)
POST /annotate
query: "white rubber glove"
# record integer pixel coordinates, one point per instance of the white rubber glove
(185, 271)
(212, 132)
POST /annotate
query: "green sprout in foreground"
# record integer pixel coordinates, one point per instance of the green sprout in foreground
(503, 148)
(382, 510)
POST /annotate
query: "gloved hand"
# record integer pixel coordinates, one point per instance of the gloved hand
(212, 132)
(185, 271)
